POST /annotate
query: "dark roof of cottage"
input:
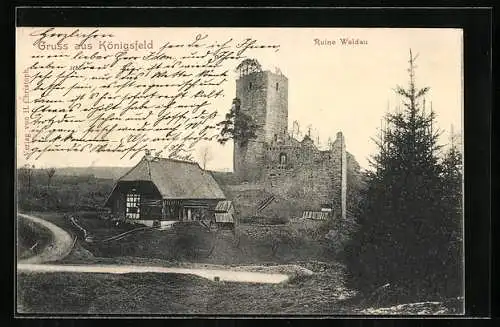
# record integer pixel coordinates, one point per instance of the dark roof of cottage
(175, 179)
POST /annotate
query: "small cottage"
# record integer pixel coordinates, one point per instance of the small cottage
(160, 191)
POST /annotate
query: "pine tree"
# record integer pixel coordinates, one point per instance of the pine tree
(452, 173)
(400, 239)
(237, 125)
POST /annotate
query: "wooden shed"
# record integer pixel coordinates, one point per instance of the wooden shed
(224, 213)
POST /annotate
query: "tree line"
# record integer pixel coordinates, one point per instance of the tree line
(45, 190)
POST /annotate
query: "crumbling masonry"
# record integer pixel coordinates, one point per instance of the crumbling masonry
(282, 163)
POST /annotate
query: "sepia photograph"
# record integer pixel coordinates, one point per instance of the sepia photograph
(239, 171)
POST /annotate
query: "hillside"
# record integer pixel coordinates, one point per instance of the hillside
(98, 172)
(116, 172)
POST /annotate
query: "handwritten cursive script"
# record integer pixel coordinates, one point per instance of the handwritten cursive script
(91, 91)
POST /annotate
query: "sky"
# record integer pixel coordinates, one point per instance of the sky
(331, 87)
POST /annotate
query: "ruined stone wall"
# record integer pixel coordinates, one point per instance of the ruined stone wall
(275, 151)
(297, 154)
(308, 175)
(303, 177)
(311, 176)
(309, 185)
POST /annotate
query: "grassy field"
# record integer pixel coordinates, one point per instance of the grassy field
(193, 243)
(32, 238)
(179, 294)
(155, 293)
(248, 244)
(190, 246)
(136, 294)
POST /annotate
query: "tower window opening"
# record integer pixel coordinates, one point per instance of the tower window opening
(275, 137)
(283, 159)
(250, 85)
(277, 86)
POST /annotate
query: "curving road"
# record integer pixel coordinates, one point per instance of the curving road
(59, 247)
(211, 274)
(62, 244)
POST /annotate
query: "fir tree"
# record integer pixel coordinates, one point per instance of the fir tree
(452, 173)
(401, 236)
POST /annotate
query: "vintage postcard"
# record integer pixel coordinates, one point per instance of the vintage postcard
(239, 171)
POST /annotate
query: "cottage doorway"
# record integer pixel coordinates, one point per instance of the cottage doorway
(133, 205)
(186, 214)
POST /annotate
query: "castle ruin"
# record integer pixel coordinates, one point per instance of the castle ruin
(283, 164)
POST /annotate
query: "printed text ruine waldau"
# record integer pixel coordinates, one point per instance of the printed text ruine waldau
(345, 41)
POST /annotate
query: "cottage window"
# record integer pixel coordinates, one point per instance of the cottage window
(133, 202)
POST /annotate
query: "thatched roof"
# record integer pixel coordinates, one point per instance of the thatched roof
(175, 179)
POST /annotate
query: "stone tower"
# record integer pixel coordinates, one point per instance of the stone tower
(263, 96)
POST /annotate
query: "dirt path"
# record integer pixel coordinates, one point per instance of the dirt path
(59, 247)
(212, 274)
(62, 243)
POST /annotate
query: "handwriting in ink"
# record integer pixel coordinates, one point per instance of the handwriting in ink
(158, 97)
